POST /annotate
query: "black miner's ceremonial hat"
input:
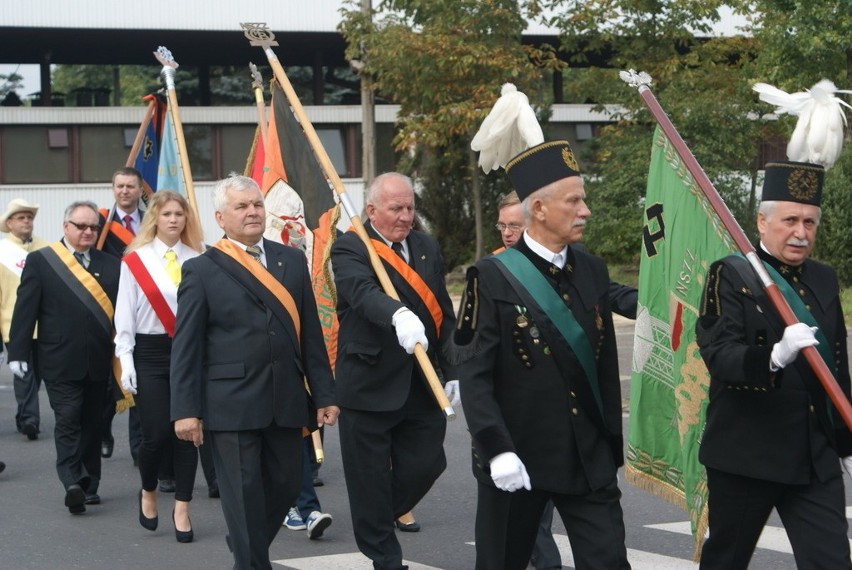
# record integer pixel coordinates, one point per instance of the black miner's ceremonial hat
(793, 182)
(541, 165)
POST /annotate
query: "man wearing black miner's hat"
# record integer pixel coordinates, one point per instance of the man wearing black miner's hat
(772, 439)
(539, 373)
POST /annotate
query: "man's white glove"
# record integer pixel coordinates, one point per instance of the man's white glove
(128, 373)
(409, 330)
(18, 368)
(846, 462)
(509, 473)
(451, 389)
(796, 337)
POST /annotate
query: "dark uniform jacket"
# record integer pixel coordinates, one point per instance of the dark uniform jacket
(515, 395)
(71, 343)
(373, 372)
(234, 364)
(113, 244)
(772, 426)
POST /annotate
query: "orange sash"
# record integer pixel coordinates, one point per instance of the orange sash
(414, 280)
(266, 279)
(116, 228)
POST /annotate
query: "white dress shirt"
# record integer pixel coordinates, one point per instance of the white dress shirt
(133, 312)
(557, 259)
(258, 244)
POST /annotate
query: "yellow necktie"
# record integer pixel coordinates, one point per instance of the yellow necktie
(173, 267)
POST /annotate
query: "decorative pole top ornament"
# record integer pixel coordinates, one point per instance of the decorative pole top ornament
(258, 34)
(164, 56)
(255, 75)
(635, 79)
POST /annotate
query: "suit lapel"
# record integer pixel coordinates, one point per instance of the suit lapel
(274, 262)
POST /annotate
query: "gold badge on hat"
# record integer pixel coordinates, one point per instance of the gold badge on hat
(803, 184)
(570, 160)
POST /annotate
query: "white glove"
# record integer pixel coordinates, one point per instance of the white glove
(509, 473)
(18, 368)
(796, 337)
(128, 373)
(409, 330)
(846, 462)
(451, 389)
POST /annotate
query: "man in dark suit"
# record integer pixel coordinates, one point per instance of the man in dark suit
(68, 289)
(247, 335)
(772, 438)
(391, 429)
(120, 224)
(539, 377)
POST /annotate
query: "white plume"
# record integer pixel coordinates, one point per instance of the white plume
(818, 136)
(509, 129)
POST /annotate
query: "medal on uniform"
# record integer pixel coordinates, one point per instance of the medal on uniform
(522, 321)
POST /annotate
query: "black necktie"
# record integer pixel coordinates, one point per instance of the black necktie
(397, 247)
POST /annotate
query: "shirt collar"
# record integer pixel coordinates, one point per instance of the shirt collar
(545, 253)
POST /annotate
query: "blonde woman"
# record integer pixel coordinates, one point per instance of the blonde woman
(144, 322)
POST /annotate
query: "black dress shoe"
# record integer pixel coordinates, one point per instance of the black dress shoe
(182, 535)
(407, 527)
(167, 486)
(93, 499)
(2, 466)
(75, 499)
(30, 430)
(147, 523)
(213, 490)
(106, 448)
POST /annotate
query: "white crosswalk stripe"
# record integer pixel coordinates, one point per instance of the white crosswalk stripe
(348, 561)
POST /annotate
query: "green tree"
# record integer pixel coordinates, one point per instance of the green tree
(443, 62)
(801, 43)
(699, 81)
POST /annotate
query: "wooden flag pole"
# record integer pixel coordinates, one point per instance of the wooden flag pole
(641, 81)
(131, 160)
(164, 56)
(259, 35)
(262, 123)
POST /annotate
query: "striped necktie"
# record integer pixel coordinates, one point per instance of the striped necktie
(254, 251)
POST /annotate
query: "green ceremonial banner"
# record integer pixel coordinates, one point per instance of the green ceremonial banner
(669, 383)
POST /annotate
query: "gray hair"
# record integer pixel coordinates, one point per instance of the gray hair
(540, 194)
(234, 181)
(767, 208)
(377, 185)
(80, 204)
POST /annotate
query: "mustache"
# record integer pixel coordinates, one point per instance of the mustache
(798, 242)
(579, 224)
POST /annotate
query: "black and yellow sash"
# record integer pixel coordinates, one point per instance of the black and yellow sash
(546, 305)
(254, 277)
(87, 289)
(82, 283)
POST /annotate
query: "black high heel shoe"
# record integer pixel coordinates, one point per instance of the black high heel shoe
(182, 535)
(150, 524)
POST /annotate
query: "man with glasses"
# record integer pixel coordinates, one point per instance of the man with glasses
(17, 221)
(510, 220)
(68, 289)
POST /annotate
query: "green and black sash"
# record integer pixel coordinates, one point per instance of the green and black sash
(545, 306)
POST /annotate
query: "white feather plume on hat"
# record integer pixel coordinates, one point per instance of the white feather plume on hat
(509, 129)
(818, 136)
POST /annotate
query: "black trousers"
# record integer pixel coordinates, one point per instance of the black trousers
(151, 357)
(77, 406)
(814, 517)
(259, 474)
(507, 525)
(390, 460)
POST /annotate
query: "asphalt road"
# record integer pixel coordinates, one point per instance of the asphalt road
(37, 532)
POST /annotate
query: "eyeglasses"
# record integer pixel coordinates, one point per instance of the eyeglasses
(513, 228)
(84, 227)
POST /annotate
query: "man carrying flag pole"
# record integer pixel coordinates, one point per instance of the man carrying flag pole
(770, 453)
